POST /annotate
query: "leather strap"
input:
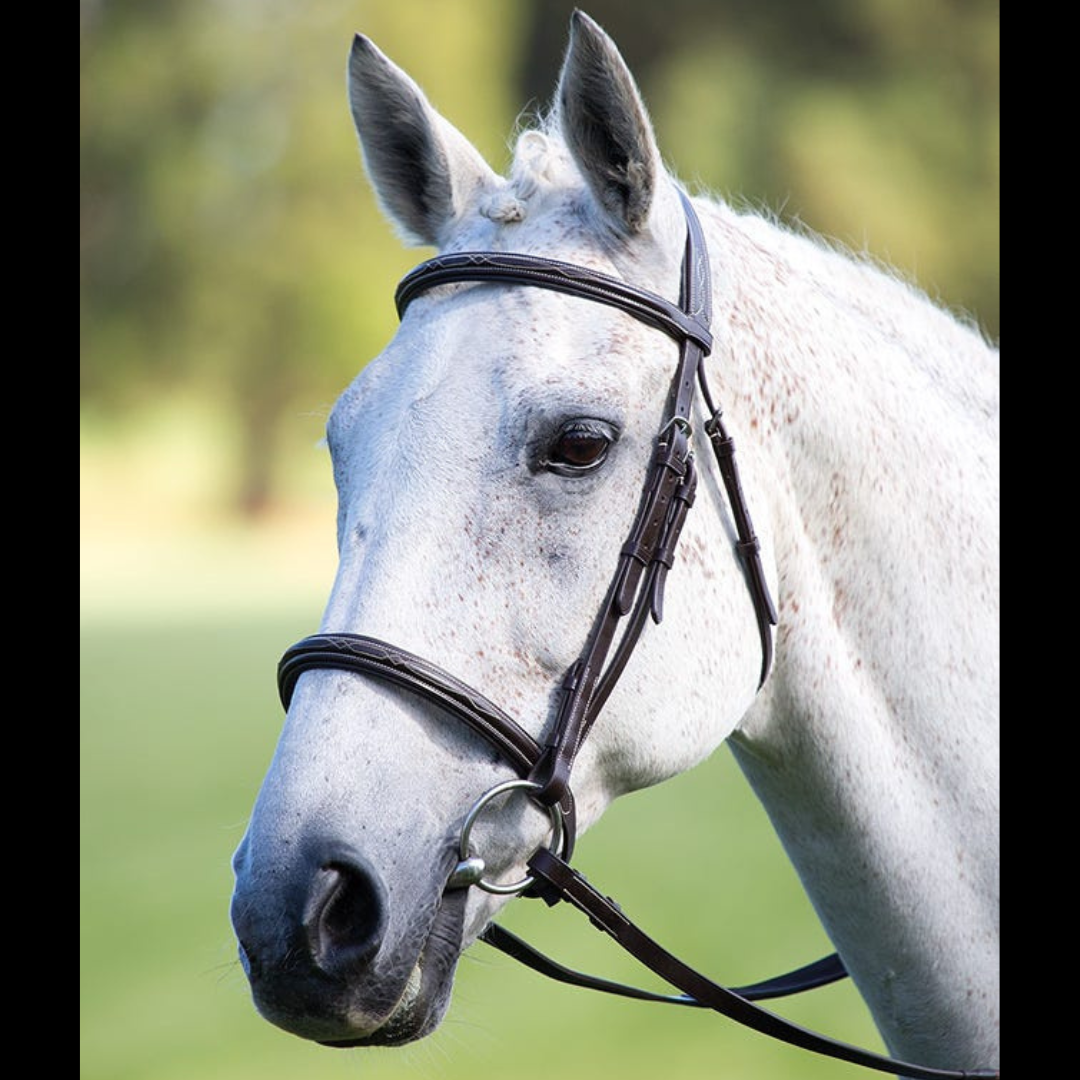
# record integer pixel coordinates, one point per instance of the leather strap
(579, 706)
(377, 659)
(507, 268)
(649, 551)
(748, 547)
(829, 969)
(556, 880)
(369, 656)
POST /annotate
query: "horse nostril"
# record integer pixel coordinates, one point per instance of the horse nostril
(345, 916)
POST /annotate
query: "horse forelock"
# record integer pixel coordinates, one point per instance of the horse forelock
(542, 173)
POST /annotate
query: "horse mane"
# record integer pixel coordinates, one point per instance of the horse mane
(852, 273)
(541, 165)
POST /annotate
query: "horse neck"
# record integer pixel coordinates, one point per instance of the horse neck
(867, 419)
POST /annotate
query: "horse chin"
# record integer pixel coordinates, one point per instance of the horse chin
(417, 1013)
(426, 997)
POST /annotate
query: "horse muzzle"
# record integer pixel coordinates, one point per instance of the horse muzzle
(323, 962)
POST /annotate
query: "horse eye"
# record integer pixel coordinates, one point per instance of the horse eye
(578, 449)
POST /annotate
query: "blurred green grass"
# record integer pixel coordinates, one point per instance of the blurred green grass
(179, 719)
(185, 611)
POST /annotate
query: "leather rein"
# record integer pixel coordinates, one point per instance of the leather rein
(635, 594)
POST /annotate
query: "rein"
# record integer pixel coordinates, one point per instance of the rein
(635, 594)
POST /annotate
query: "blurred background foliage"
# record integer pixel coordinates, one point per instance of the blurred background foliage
(235, 275)
(234, 262)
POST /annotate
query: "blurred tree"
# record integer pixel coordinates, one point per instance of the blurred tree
(874, 122)
(228, 243)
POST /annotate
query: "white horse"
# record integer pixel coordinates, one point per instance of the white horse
(489, 465)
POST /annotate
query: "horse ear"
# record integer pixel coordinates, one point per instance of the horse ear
(606, 126)
(424, 171)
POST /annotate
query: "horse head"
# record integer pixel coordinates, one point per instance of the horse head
(489, 464)
(513, 473)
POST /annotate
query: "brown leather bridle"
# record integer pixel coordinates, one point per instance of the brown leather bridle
(636, 593)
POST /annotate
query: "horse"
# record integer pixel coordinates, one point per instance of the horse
(498, 469)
